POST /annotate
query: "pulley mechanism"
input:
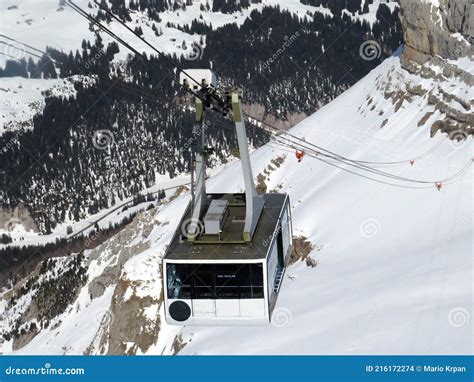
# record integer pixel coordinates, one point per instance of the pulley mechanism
(207, 96)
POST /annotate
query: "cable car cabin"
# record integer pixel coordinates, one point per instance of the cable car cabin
(219, 279)
(226, 261)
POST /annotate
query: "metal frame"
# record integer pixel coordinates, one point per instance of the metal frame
(253, 201)
(198, 185)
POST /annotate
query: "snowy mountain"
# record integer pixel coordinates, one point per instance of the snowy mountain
(51, 139)
(393, 267)
(378, 268)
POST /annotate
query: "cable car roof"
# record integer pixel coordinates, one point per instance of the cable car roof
(231, 248)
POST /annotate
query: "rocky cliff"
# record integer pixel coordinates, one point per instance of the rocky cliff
(443, 28)
(438, 44)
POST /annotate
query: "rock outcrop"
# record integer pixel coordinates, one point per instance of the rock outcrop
(11, 218)
(436, 34)
(443, 28)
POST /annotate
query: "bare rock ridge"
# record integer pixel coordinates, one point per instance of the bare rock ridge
(436, 33)
(443, 28)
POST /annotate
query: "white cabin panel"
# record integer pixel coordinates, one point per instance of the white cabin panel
(254, 307)
(204, 308)
(227, 308)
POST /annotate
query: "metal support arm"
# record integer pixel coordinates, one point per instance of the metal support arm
(200, 200)
(253, 201)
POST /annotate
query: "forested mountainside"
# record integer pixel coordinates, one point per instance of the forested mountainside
(404, 249)
(112, 138)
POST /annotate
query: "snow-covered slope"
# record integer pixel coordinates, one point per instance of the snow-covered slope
(32, 21)
(23, 98)
(395, 265)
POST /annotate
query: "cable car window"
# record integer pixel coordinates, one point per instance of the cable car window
(204, 284)
(251, 282)
(257, 280)
(179, 281)
(211, 281)
(228, 279)
(285, 231)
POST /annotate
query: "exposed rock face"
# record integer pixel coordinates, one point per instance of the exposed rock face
(18, 216)
(260, 112)
(442, 28)
(132, 323)
(436, 31)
